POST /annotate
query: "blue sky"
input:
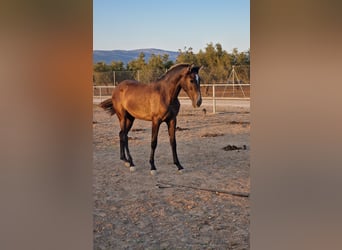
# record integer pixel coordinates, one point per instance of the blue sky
(171, 24)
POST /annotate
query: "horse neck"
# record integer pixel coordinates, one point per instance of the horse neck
(172, 87)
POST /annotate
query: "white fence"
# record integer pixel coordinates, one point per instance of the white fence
(214, 92)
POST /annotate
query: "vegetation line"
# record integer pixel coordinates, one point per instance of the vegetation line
(216, 62)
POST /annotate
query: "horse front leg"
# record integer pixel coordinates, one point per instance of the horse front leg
(172, 134)
(154, 142)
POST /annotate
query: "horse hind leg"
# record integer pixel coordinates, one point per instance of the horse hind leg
(129, 124)
(122, 146)
(125, 125)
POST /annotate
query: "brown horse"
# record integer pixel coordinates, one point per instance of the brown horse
(157, 102)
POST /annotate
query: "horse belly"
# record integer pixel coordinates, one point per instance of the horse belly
(139, 108)
(142, 101)
(140, 114)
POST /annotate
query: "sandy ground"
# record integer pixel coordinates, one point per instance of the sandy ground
(135, 210)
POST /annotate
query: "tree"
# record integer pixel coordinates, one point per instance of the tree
(102, 73)
(101, 67)
(216, 63)
(137, 64)
(117, 66)
(155, 62)
(239, 58)
(186, 56)
(167, 63)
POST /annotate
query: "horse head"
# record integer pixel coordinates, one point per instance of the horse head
(190, 83)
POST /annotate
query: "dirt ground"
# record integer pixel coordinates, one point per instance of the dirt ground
(135, 210)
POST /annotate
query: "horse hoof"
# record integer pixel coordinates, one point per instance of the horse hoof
(127, 164)
(153, 172)
(180, 171)
(132, 169)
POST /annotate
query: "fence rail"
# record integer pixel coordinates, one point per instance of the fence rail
(217, 91)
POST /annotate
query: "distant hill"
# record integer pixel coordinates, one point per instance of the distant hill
(126, 56)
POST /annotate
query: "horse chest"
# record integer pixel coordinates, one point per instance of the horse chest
(171, 111)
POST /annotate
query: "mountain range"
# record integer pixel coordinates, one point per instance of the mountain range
(126, 56)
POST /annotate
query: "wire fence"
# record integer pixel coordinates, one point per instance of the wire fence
(214, 92)
(234, 85)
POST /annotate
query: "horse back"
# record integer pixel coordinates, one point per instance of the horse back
(134, 97)
(128, 89)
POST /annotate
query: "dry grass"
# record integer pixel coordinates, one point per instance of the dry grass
(131, 212)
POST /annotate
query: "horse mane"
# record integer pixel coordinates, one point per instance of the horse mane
(178, 65)
(172, 69)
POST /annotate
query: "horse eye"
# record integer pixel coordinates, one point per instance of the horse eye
(192, 81)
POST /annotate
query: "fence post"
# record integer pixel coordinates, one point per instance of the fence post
(100, 94)
(114, 77)
(214, 99)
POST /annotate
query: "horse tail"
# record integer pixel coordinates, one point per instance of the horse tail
(108, 106)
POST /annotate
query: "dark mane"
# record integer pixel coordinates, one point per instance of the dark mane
(173, 69)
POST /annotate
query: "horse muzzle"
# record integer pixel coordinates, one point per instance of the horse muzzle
(199, 101)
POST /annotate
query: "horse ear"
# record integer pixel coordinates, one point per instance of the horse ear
(190, 67)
